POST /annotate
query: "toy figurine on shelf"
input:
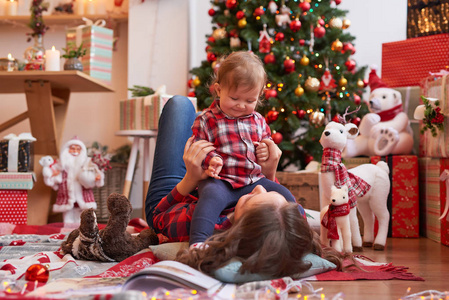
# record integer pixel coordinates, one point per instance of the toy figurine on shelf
(78, 176)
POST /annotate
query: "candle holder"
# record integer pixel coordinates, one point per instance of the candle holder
(9, 64)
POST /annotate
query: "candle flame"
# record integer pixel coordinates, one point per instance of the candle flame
(53, 48)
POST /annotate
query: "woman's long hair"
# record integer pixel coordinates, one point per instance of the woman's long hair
(269, 239)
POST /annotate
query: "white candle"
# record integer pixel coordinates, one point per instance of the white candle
(79, 7)
(100, 7)
(52, 60)
(2, 7)
(12, 8)
(10, 63)
(90, 7)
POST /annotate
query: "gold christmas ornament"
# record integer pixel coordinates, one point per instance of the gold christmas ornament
(196, 82)
(299, 91)
(312, 84)
(242, 23)
(343, 81)
(336, 23)
(219, 33)
(337, 45)
(360, 84)
(316, 118)
(346, 24)
(304, 60)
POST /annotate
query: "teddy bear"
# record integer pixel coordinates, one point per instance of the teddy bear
(368, 186)
(48, 170)
(386, 129)
(112, 243)
(335, 226)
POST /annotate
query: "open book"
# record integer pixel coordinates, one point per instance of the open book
(171, 275)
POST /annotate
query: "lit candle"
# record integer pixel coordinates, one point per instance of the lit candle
(90, 7)
(12, 8)
(52, 60)
(79, 7)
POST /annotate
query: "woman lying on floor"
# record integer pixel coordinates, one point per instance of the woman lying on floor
(268, 234)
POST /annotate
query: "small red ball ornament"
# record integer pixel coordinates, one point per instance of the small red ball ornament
(190, 83)
(289, 65)
(270, 94)
(295, 25)
(305, 6)
(365, 82)
(319, 31)
(357, 99)
(349, 47)
(356, 121)
(211, 39)
(211, 12)
(272, 116)
(300, 113)
(277, 137)
(259, 11)
(302, 42)
(211, 57)
(240, 14)
(335, 119)
(191, 94)
(279, 36)
(231, 4)
(350, 65)
(269, 58)
(37, 272)
(321, 22)
(337, 2)
(233, 33)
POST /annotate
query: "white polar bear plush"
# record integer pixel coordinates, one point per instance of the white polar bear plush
(335, 224)
(48, 170)
(386, 129)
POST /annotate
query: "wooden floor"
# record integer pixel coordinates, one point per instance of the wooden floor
(424, 258)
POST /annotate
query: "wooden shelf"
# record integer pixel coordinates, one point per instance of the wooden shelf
(65, 19)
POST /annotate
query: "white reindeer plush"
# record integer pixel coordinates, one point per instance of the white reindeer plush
(368, 186)
(335, 226)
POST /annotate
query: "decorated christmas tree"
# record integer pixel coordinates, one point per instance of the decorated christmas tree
(307, 55)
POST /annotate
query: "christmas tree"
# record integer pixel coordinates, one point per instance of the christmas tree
(312, 78)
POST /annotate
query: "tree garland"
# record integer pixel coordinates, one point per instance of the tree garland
(37, 21)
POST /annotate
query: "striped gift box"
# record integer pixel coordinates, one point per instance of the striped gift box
(131, 114)
(433, 199)
(98, 41)
(17, 180)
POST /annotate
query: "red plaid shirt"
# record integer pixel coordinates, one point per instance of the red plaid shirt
(234, 141)
(331, 162)
(173, 214)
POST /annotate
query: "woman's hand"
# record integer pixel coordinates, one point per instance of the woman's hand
(215, 166)
(194, 155)
(270, 165)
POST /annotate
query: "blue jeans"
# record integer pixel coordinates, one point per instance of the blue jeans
(174, 130)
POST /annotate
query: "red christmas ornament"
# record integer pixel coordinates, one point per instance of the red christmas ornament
(37, 272)
(240, 14)
(277, 137)
(211, 57)
(305, 6)
(269, 58)
(272, 116)
(191, 94)
(365, 82)
(356, 121)
(234, 33)
(211, 39)
(350, 65)
(308, 159)
(295, 25)
(231, 4)
(348, 47)
(319, 31)
(190, 83)
(289, 65)
(336, 119)
(357, 99)
(211, 12)
(259, 11)
(300, 113)
(321, 22)
(270, 94)
(207, 48)
(337, 2)
(279, 36)
(302, 42)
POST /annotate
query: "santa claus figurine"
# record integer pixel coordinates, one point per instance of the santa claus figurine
(79, 175)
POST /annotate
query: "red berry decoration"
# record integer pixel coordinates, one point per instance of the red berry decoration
(259, 11)
(305, 6)
(302, 42)
(350, 65)
(270, 94)
(277, 137)
(240, 14)
(211, 12)
(231, 4)
(269, 58)
(319, 31)
(279, 36)
(289, 65)
(357, 99)
(211, 57)
(356, 121)
(300, 113)
(272, 116)
(37, 272)
(295, 25)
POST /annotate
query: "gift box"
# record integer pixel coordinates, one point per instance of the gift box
(16, 153)
(13, 206)
(436, 86)
(403, 199)
(427, 18)
(304, 186)
(434, 199)
(352, 162)
(17, 181)
(98, 42)
(143, 113)
(406, 63)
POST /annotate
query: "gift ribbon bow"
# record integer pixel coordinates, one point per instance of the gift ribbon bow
(13, 148)
(444, 177)
(88, 22)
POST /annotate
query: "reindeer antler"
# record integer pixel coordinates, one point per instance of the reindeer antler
(343, 119)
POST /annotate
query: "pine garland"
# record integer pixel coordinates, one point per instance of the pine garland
(37, 20)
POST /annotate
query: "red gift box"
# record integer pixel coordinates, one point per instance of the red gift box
(403, 199)
(433, 198)
(13, 206)
(406, 63)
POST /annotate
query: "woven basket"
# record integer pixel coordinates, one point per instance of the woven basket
(114, 180)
